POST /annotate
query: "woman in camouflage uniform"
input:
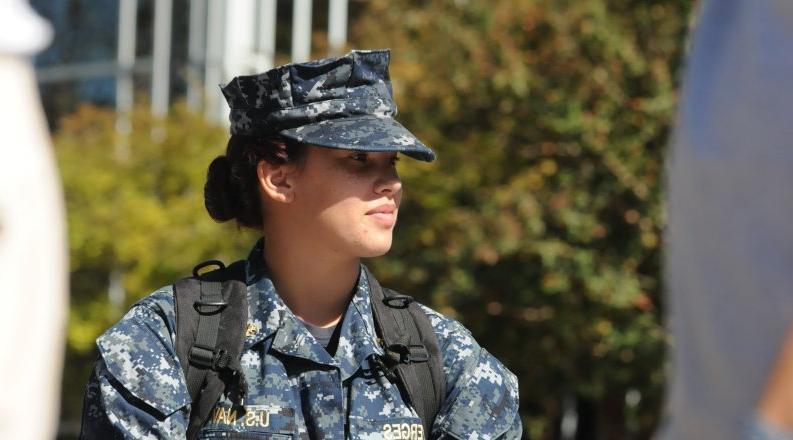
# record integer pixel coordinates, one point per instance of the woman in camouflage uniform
(311, 163)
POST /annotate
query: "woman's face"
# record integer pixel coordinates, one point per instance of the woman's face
(346, 201)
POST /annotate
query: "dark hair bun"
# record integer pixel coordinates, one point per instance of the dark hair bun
(232, 190)
(220, 197)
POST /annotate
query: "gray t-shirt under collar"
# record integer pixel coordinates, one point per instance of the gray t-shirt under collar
(321, 334)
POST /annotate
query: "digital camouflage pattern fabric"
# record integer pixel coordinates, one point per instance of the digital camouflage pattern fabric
(343, 102)
(296, 389)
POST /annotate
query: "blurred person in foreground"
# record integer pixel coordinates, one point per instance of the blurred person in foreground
(33, 260)
(730, 240)
(311, 164)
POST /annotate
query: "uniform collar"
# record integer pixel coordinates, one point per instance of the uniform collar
(358, 339)
(268, 316)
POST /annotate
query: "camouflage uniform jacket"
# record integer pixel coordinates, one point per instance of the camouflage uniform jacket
(296, 388)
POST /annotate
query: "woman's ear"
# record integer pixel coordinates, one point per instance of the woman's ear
(276, 181)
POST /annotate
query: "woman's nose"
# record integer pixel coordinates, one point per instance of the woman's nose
(389, 183)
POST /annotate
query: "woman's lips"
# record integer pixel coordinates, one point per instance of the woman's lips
(384, 214)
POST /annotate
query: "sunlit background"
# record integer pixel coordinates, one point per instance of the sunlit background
(538, 227)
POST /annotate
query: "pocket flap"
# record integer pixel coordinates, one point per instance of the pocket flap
(138, 353)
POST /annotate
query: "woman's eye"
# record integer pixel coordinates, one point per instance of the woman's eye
(360, 157)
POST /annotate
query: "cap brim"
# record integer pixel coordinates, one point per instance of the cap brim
(362, 133)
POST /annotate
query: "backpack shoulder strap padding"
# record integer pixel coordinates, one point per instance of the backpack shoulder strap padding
(411, 348)
(211, 313)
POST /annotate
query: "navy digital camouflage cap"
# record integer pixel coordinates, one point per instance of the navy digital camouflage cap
(343, 102)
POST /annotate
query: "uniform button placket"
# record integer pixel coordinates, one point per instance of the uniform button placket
(324, 401)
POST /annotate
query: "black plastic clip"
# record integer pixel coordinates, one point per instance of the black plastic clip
(208, 357)
(406, 354)
(379, 364)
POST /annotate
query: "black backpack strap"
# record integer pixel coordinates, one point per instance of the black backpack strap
(412, 350)
(211, 312)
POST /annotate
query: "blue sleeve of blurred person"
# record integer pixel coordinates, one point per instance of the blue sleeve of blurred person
(759, 429)
(730, 238)
(137, 388)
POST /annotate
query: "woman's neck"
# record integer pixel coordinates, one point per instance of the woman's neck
(316, 286)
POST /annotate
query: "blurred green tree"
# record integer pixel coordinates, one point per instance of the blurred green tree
(135, 217)
(539, 226)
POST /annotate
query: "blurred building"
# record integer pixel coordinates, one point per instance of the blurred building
(113, 53)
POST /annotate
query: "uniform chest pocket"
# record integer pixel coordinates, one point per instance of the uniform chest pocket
(253, 422)
(393, 428)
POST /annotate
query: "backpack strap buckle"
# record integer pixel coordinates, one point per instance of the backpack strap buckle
(407, 354)
(208, 357)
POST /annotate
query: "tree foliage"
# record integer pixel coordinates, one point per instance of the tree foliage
(539, 225)
(135, 214)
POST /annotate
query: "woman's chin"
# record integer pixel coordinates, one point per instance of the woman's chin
(372, 247)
